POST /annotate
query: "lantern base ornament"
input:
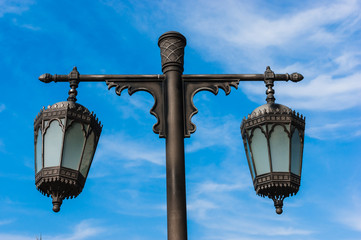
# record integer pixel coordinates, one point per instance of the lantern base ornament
(57, 201)
(277, 186)
(278, 204)
(59, 183)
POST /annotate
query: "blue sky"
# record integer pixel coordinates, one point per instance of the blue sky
(124, 196)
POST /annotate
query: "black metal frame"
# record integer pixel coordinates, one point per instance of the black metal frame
(173, 107)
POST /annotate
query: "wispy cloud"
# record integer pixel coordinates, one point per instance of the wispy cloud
(242, 24)
(124, 148)
(2, 107)
(349, 214)
(6, 221)
(86, 229)
(16, 237)
(347, 128)
(215, 131)
(324, 93)
(14, 6)
(27, 25)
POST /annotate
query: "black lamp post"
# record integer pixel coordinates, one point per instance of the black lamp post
(173, 94)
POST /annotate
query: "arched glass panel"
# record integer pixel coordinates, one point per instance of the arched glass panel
(53, 139)
(88, 154)
(296, 153)
(280, 150)
(249, 159)
(73, 146)
(38, 152)
(260, 152)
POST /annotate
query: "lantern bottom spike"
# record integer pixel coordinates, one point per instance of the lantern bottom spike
(278, 203)
(57, 201)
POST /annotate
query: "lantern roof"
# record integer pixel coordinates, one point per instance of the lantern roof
(270, 108)
(69, 104)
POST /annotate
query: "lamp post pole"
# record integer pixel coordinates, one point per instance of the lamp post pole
(172, 52)
(173, 94)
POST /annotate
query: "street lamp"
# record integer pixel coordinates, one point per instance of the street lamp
(173, 94)
(66, 136)
(273, 138)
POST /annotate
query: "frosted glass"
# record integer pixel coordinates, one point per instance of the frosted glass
(280, 150)
(296, 153)
(73, 146)
(249, 159)
(88, 155)
(38, 152)
(260, 152)
(53, 139)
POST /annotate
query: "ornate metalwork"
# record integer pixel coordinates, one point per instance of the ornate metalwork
(171, 46)
(193, 86)
(154, 87)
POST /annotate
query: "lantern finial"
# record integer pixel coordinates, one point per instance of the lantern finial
(278, 202)
(57, 201)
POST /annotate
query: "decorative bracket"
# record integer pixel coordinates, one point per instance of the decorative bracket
(152, 86)
(195, 85)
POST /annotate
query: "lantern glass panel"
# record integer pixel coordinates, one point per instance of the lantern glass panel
(88, 155)
(38, 152)
(280, 149)
(73, 146)
(296, 153)
(249, 159)
(53, 139)
(260, 152)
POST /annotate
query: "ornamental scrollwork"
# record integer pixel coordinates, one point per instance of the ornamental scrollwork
(155, 88)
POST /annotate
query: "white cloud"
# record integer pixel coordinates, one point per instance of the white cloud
(123, 148)
(350, 212)
(2, 107)
(14, 6)
(324, 93)
(6, 221)
(27, 26)
(343, 129)
(16, 237)
(243, 24)
(86, 229)
(213, 131)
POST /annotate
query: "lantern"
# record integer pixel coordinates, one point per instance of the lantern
(66, 137)
(273, 137)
